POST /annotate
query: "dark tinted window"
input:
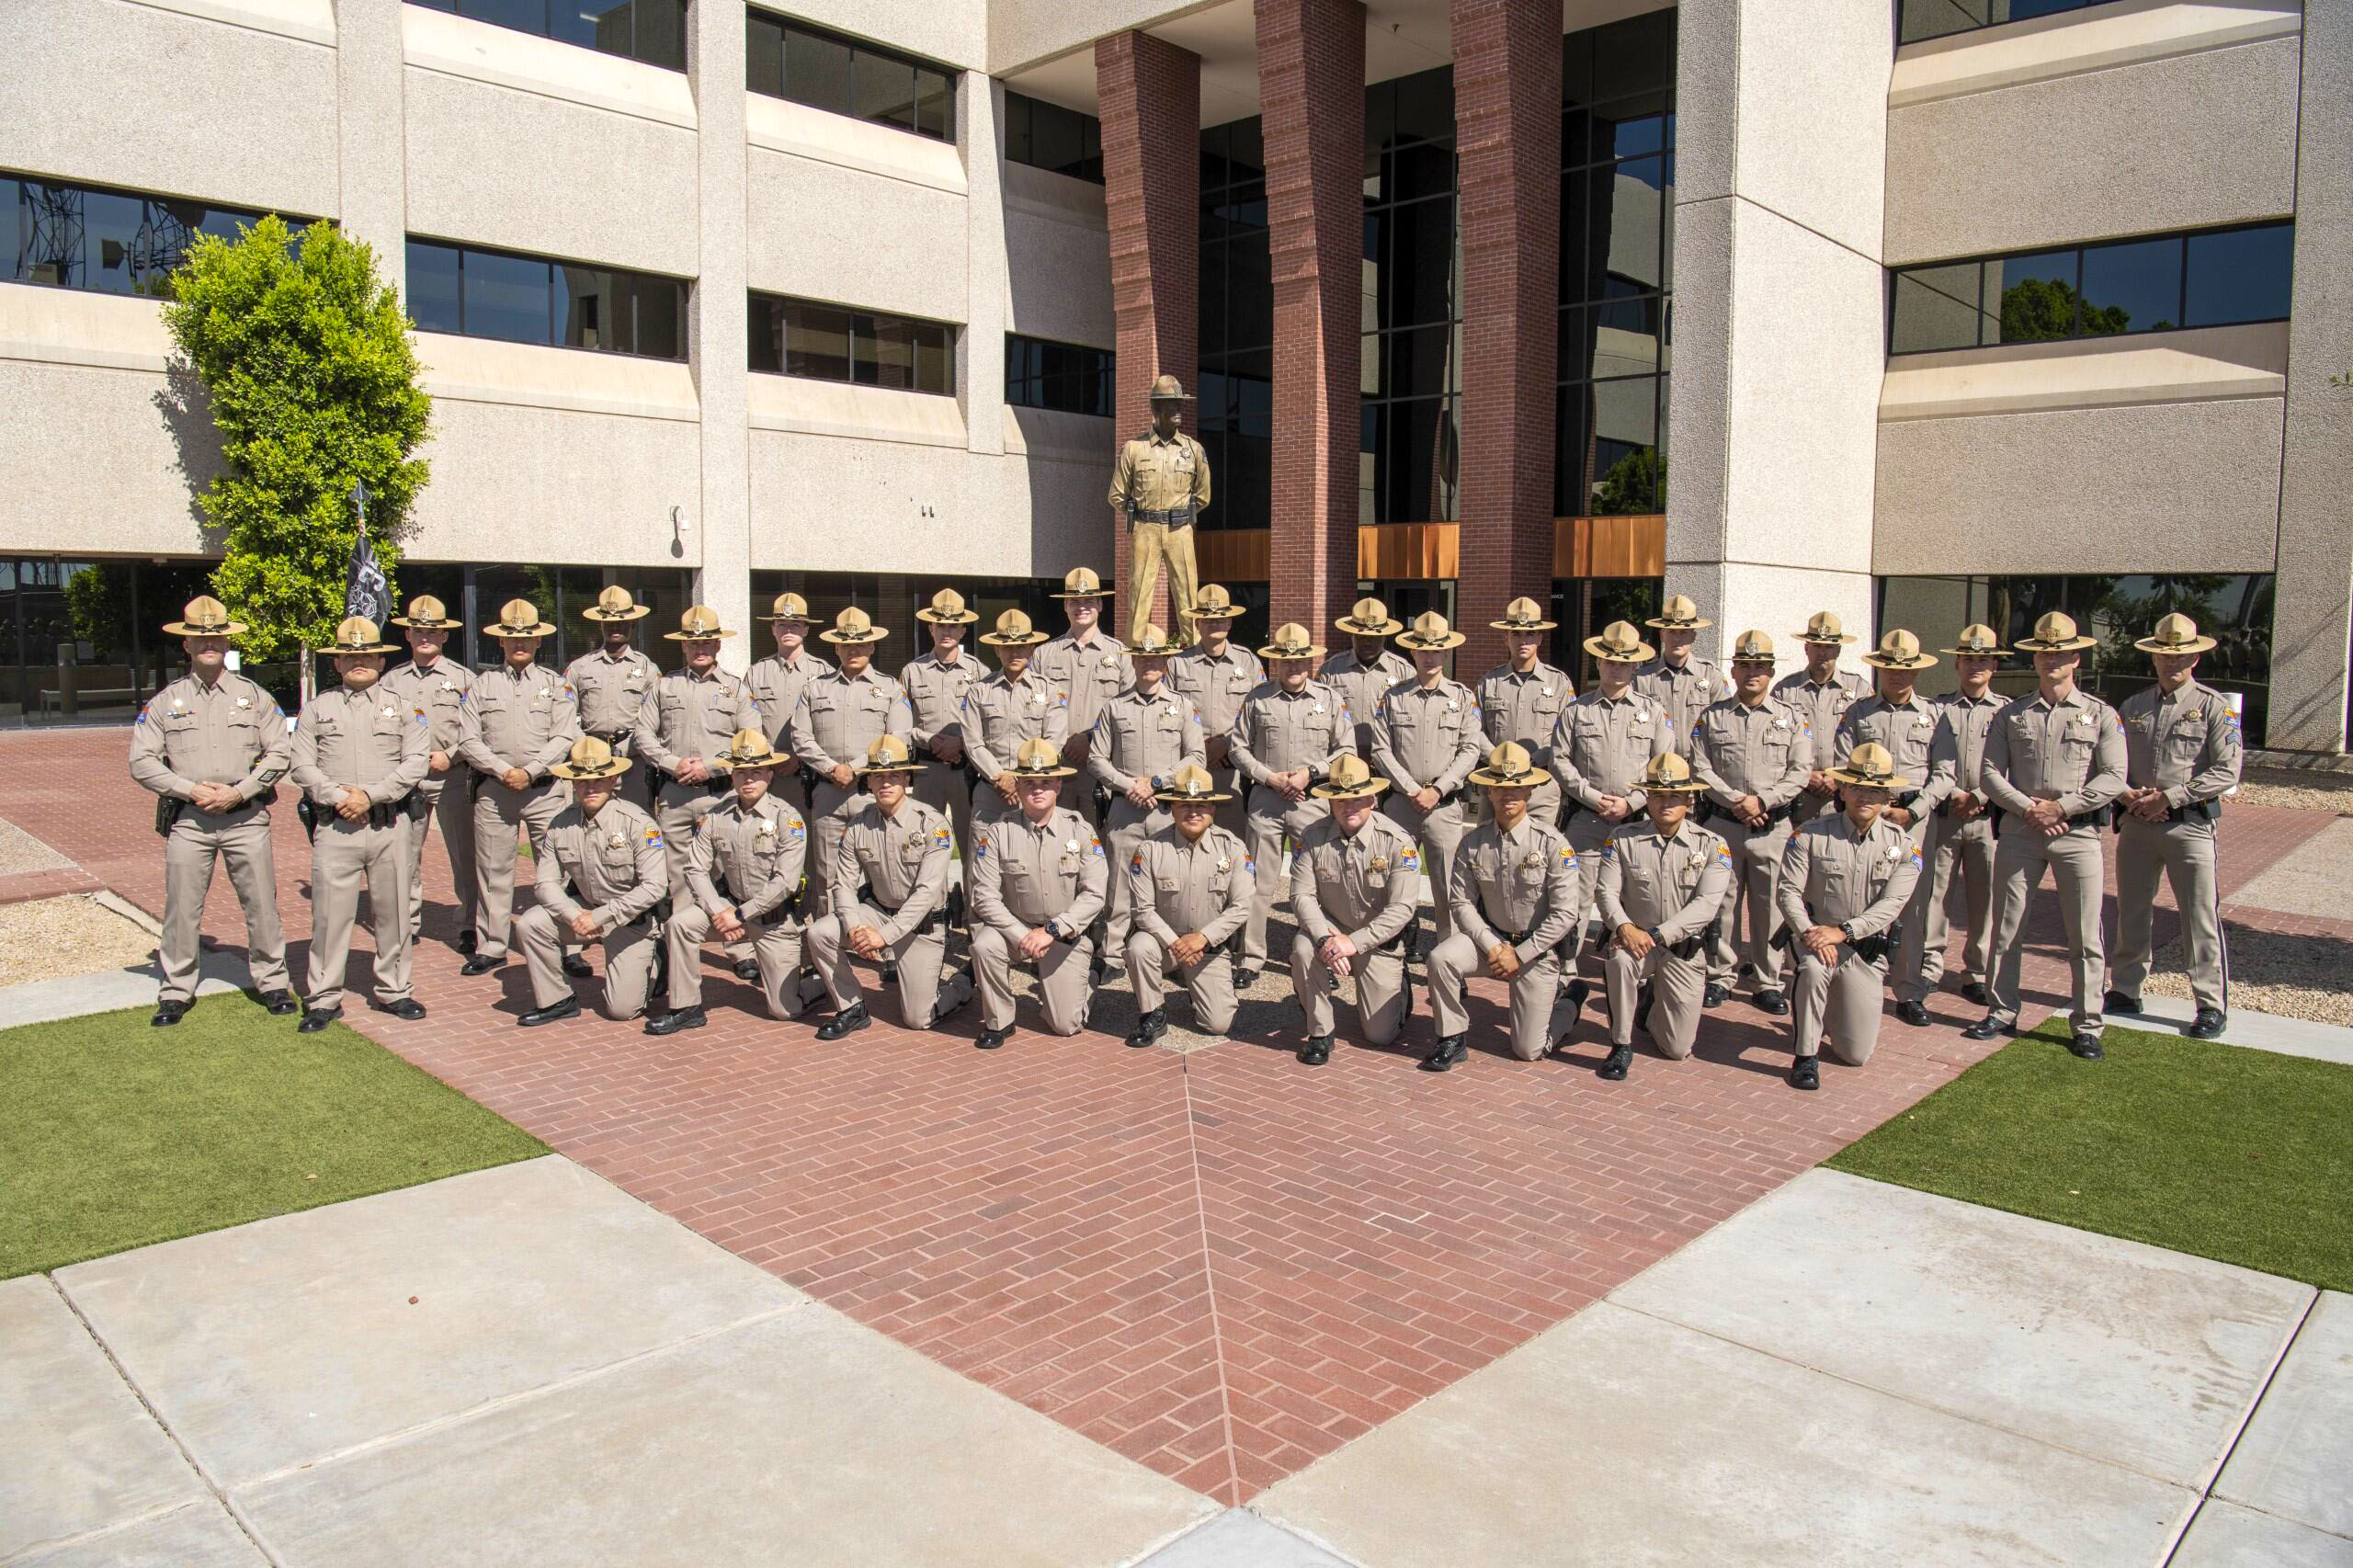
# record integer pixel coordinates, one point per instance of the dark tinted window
(1940, 18)
(654, 32)
(525, 299)
(1060, 376)
(111, 242)
(842, 76)
(1047, 136)
(2239, 275)
(833, 342)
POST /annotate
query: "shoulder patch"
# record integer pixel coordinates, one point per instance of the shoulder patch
(1095, 848)
(1723, 853)
(940, 835)
(1915, 856)
(654, 837)
(1135, 861)
(1609, 847)
(1568, 855)
(1409, 860)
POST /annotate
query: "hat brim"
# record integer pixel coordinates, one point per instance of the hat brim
(618, 766)
(829, 635)
(933, 617)
(1215, 612)
(1057, 771)
(2198, 644)
(1977, 653)
(1766, 656)
(2072, 645)
(1643, 653)
(1165, 651)
(182, 629)
(541, 630)
(1524, 625)
(1531, 779)
(1212, 798)
(802, 616)
(1080, 594)
(635, 612)
(1364, 791)
(1415, 642)
(1354, 629)
(1659, 625)
(1820, 642)
(913, 765)
(1881, 662)
(1688, 787)
(717, 634)
(416, 625)
(1312, 651)
(730, 761)
(338, 651)
(1892, 781)
(1007, 640)
(1170, 397)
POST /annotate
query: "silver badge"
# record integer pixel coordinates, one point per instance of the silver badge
(1225, 864)
(1071, 845)
(242, 702)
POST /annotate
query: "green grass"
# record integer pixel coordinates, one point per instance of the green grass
(2241, 1156)
(114, 1135)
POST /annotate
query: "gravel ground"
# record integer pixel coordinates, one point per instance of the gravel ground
(2294, 977)
(50, 938)
(2266, 788)
(20, 851)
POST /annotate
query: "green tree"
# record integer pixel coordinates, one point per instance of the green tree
(2036, 309)
(305, 355)
(1635, 485)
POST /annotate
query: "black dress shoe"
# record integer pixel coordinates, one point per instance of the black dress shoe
(1975, 992)
(1243, 979)
(481, 963)
(2086, 1044)
(1805, 1073)
(1913, 1013)
(1622, 1061)
(850, 1020)
(568, 1007)
(1317, 1050)
(1713, 996)
(1987, 1028)
(1445, 1054)
(468, 939)
(280, 1003)
(943, 1011)
(747, 969)
(992, 1039)
(1576, 990)
(2207, 1023)
(407, 1007)
(1772, 1002)
(317, 1019)
(1149, 1028)
(2117, 1002)
(676, 1020)
(576, 966)
(168, 1014)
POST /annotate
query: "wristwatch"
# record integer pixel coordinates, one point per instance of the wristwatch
(1845, 932)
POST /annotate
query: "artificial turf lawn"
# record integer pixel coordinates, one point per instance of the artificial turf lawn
(115, 1135)
(2231, 1153)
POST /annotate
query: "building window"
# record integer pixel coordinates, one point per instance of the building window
(837, 343)
(1411, 365)
(109, 242)
(1585, 607)
(2213, 277)
(1941, 18)
(1063, 376)
(652, 31)
(1234, 419)
(528, 299)
(843, 76)
(2235, 609)
(1047, 136)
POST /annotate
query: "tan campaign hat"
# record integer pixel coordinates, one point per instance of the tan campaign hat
(590, 759)
(1668, 774)
(1214, 600)
(1509, 766)
(947, 609)
(1292, 642)
(613, 603)
(1978, 638)
(1871, 764)
(1368, 617)
(1619, 644)
(1350, 779)
(1081, 583)
(853, 625)
(1899, 650)
(1523, 615)
(789, 607)
(1752, 648)
(358, 635)
(1038, 758)
(750, 748)
(1431, 634)
(1678, 614)
(1013, 630)
(2056, 634)
(889, 754)
(428, 614)
(205, 617)
(1825, 627)
(519, 618)
(1169, 389)
(2176, 633)
(1153, 644)
(1192, 784)
(699, 624)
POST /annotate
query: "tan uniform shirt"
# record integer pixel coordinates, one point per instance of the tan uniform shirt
(441, 693)
(1823, 705)
(1157, 475)
(837, 718)
(524, 721)
(1050, 874)
(1765, 751)
(688, 715)
(229, 733)
(1362, 685)
(1833, 876)
(1090, 673)
(999, 714)
(374, 741)
(1180, 888)
(1908, 731)
(762, 853)
(1603, 746)
(1671, 887)
(1147, 738)
(1525, 709)
(2071, 752)
(902, 858)
(1521, 884)
(935, 694)
(1365, 886)
(776, 691)
(611, 691)
(1686, 692)
(1279, 731)
(1218, 686)
(1426, 737)
(616, 861)
(2188, 743)
(1962, 728)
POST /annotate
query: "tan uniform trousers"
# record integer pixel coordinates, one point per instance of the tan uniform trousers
(2184, 851)
(677, 807)
(1440, 835)
(1233, 815)
(946, 790)
(1756, 856)
(829, 813)
(241, 839)
(1127, 828)
(543, 938)
(1380, 981)
(2019, 855)
(500, 815)
(1148, 545)
(1908, 936)
(448, 809)
(1676, 986)
(920, 956)
(345, 858)
(1963, 847)
(1272, 819)
(1535, 994)
(1064, 993)
(1209, 982)
(776, 944)
(1587, 832)
(1843, 1003)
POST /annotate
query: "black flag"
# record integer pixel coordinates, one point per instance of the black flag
(365, 592)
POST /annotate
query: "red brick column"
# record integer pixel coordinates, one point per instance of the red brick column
(1150, 95)
(1508, 130)
(1310, 93)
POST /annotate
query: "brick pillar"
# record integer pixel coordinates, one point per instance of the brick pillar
(1149, 94)
(1507, 132)
(1310, 93)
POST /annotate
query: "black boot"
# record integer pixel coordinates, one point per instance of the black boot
(1622, 1060)
(317, 1019)
(1713, 996)
(1445, 1054)
(2086, 1044)
(480, 963)
(676, 1020)
(1805, 1073)
(1987, 1028)
(576, 966)
(1149, 1028)
(992, 1039)
(1772, 1002)
(565, 1007)
(1317, 1050)
(1913, 1013)
(2117, 1002)
(1975, 992)
(282, 1004)
(168, 1014)
(467, 940)
(2207, 1023)
(850, 1020)
(747, 969)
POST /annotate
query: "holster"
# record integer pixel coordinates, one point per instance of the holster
(307, 812)
(167, 812)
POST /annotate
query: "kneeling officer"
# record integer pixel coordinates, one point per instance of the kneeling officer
(1038, 881)
(1663, 887)
(887, 898)
(1355, 885)
(743, 875)
(1190, 885)
(601, 875)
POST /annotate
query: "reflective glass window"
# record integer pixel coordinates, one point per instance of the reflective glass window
(843, 76)
(816, 341)
(1936, 308)
(882, 90)
(433, 286)
(2134, 286)
(506, 297)
(523, 298)
(652, 31)
(2239, 275)
(1065, 377)
(816, 71)
(1921, 19)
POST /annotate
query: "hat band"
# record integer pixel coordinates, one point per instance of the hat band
(1872, 778)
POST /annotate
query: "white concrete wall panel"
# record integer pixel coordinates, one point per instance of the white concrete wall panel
(952, 34)
(2170, 367)
(1058, 278)
(823, 232)
(1021, 32)
(1698, 433)
(719, 516)
(152, 440)
(518, 483)
(1811, 114)
(2044, 49)
(979, 360)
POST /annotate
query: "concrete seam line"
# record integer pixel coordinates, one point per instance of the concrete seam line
(1208, 1276)
(2270, 1376)
(41, 1550)
(106, 898)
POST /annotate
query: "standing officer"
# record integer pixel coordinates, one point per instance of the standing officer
(358, 752)
(2055, 762)
(1366, 667)
(840, 714)
(1426, 734)
(1284, 739)
(692, 715)
(1190, 887)
(1217, 677)
(1018, 703)
(776, 681)
(2183, 751)
(890, 891)
(601, 873)
(1141, 737)
(1521, 699)
(1662, 884)
(1751, 753)
(1960, 833)
(517, 722)
(1844, 880)
(611, 683)
(1039, 878)
(1682, 685)
(1354, 886)
(1899, 720)
(1514, 887)
(936, 685)
(1823, 692)
(1090, 667)
(439, 686)
(745, 875)
(212, 747)
(1158, 486)
(1604, 741)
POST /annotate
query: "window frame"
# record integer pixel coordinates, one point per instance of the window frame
(785, 26)
(1027, 361)
(547, 29)
(622, 282)
(13, 181)
(1905, 8)
(760, 301)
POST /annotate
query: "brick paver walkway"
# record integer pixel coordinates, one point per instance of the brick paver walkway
(1221, 1264)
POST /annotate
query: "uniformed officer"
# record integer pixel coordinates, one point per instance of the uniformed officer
(1844, 880)
(2055, 762)
(1354, 886)
(439, 686)
(1283, 739)
(1897, 718)
(1823, 692)
(611, 682)
(1752, 753)
(1663, 882)
(2183, 753)
(1141, 737)
(1160, 484)
(936, 685)
(691, 715)
(1960, 834)
(1089, 667)
(1686, 687)
(1190, 887)
(1514, 887)
(1426, 735)
(1603, 742)
(212, 746)
(776, 681)
(1521, 699)
(1018, 703)
(358, 752)
(601, 872)
(1367, 666)
(517, 722)
(745, 876)
(840, 714)
(887, 906)
(1038, 881)
(1217, 675)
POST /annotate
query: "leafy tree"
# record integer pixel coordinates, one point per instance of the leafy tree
(306, 357)
(1635, 485)
(2036, 309)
